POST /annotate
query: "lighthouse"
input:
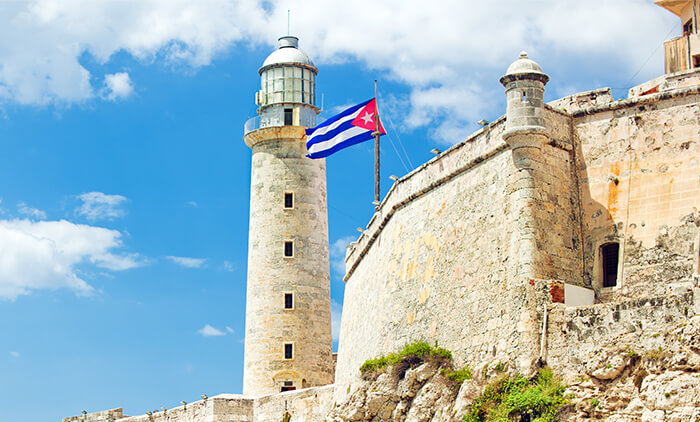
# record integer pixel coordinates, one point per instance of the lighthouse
(288, 341)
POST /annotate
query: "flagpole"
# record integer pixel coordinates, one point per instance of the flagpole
(376, 134)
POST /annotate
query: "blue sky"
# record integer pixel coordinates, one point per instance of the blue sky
(124, 179)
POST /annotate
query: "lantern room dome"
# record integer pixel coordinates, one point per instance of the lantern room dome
(288, 52)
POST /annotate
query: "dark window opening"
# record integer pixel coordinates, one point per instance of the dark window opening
(288, 200)
(288, 301)
(696, 61)
(288, 351)
(688, 27)
(285, 388)
(610, 254)
(288, 383)
(289, 248)
(287, 116)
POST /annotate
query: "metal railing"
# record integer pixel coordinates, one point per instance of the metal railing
(307, 118)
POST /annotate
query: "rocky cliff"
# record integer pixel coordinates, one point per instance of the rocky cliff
(652, 377)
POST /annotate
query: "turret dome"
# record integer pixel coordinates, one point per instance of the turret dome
(524, 65)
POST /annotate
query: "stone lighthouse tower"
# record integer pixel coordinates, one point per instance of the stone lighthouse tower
(288, 313)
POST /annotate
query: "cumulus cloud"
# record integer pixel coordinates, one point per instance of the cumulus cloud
(99, 206)
(30, 212)
(336, 313)
(449, 55)
(46, 254)
(118, 86)
(337, 255)
(209, 331)
(188, 262)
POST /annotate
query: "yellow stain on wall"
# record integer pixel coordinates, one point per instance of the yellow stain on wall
(429, 270)
(613, 190)
(439, 211)
(424, 295)
(411, 317)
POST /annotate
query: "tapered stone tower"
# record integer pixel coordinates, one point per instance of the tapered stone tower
(288, 312)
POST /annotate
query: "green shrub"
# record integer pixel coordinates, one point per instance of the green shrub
(412, 354)
(594, 402)
(512, 397)
(458, 376)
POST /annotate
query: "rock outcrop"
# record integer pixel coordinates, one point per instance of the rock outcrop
(652, 378)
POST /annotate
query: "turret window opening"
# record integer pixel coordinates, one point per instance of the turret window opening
(289, 249)
(610, 258)
(288, 200)
(524, 97)
(289, 350)
(289, 301)
(688, 27)
(288, 114)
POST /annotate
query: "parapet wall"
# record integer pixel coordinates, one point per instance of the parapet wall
(575, 335)
(307, 405)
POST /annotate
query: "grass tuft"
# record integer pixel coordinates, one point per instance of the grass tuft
(517, 398)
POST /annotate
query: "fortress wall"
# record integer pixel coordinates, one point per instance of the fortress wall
(435, 263)
(307, 405)
(639, 165)
(576, 335)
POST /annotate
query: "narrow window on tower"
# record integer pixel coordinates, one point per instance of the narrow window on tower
(289, 301)
(288, 200)
(610, 257)
(288, 350)
(287, 116)
(288, 248)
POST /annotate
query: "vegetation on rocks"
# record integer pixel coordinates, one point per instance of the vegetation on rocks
(411, 355)
(513, 397)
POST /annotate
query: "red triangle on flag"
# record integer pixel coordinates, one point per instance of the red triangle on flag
(365, 119)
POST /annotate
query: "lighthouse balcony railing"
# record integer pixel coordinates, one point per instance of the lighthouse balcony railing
(306, 119)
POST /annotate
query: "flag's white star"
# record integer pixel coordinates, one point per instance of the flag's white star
(367, 118)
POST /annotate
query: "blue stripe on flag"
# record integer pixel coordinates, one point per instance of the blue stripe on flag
(362, 137)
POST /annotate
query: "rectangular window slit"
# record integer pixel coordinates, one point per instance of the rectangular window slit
(288, 200)
(287, 116)
(610, 254)
(288, 248)
(288, 301)
(288, 351)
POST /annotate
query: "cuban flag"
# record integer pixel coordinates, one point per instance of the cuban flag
(348, 128)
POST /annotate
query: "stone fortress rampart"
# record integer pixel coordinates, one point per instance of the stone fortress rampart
(565, 233)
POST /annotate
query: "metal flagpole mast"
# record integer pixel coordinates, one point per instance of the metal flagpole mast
(376, 134)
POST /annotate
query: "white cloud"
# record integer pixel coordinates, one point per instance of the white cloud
(45, 255)
(209, 331)
(15, 354)
(30, 212)
(191, 204)
(118, 86)
(99, 206)
(229, 330)
(336, 313)
(186, 261)
(337, 254)
(441, 52)
(229, 267)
